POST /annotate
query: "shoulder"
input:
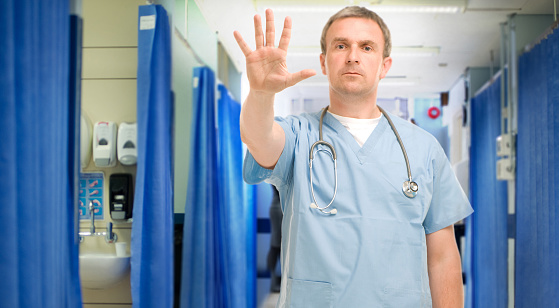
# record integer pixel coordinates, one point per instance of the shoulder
(412, 132)
(297, 123)
(419, 143)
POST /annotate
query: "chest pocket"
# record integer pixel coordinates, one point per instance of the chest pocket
(309, 294)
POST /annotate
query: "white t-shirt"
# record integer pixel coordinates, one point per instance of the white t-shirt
(360, 129)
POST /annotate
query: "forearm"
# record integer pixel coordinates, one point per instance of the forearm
(445, 270)
(445, 280)
(262, 135)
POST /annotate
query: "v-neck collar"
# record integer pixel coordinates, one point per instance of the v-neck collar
(362, 153)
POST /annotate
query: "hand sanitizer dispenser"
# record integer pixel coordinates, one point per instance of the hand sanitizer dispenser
(121, 196)
(104, 144)
(126, 144)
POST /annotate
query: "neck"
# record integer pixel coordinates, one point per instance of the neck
(354, 106)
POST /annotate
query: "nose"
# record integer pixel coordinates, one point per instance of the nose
(352, 55)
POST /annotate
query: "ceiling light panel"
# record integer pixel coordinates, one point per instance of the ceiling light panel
(388, 6)
(418, 51)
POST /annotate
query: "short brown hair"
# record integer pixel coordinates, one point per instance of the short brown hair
(359, 12)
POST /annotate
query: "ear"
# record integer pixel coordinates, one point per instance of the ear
(323, 63)
(386, 65)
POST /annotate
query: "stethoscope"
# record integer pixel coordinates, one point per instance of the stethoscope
(409, 187)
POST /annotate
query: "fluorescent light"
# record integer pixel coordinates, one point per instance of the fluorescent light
(416, 9)
(391, 6)
(415, 51)
(376, 8)
(307, 9)
(398, 81)
(402, 83)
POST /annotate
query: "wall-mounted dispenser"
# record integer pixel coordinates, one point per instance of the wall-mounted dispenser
(121, 195)
(126, 144)
(104, 144)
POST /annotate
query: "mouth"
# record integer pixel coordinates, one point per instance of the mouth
(352, 74)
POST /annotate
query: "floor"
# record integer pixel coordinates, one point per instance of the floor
(270, 301)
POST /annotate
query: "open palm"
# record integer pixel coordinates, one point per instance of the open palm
(266, 65)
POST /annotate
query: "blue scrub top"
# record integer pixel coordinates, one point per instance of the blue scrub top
(373, 252)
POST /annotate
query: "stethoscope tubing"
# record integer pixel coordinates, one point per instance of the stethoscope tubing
(332, 154)
(335, 180)
(409, 187)
(399, 141)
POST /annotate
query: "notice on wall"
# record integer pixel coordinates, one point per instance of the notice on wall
(91, 191)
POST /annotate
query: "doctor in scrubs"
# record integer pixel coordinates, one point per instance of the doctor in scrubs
(374, 246)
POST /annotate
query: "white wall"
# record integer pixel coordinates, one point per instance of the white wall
(109, 67)
(453, 116)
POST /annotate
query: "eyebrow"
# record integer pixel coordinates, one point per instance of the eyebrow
(363, 42)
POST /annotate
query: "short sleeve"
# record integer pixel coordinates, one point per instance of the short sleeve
(449, 203)
(253, 173)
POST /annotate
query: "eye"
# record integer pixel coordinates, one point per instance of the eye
(340, 46)
(368, 48)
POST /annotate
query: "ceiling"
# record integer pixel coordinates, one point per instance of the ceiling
(431, 50)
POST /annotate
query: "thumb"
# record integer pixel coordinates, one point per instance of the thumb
(300, 76)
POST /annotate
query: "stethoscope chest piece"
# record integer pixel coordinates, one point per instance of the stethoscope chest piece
(410, 189)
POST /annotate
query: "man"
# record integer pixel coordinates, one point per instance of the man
(374, 246)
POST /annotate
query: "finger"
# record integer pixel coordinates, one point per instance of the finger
(242, 44)
(285, 34)
(300, 76)
(270, 31)
(258, 34)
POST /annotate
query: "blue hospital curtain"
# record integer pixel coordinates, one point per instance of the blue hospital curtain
(198, 288)
(152, 227)
(219, 233)
(486, 238)
(537, 203)
(238, 218)
(39, 160)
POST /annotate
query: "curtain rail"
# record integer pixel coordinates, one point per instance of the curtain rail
(179, 35)
(542, 37)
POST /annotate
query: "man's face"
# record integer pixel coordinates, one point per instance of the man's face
(353, 61)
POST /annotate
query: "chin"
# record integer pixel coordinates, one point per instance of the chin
(355, 91)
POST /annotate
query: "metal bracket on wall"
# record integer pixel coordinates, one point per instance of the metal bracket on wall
(506, 145)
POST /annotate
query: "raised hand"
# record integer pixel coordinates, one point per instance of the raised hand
(266, 65)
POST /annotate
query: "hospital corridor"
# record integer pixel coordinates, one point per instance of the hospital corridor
(279, 153)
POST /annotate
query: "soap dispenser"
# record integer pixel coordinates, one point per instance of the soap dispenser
(127, 151)
(104, 144)
(121, 195)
